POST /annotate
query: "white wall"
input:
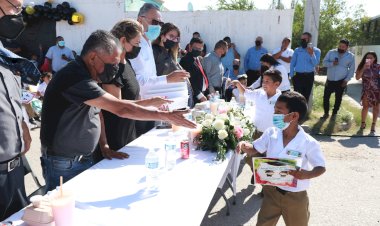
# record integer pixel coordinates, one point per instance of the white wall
(241, 26)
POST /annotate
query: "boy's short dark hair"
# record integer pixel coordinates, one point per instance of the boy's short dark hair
(345, 41)
(196, 33)
(221, 44)
(196, 40)
(275, 75)
(295, 102)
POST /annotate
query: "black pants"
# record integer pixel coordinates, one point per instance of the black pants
(303, 83)
(333, 87)
(12, 191)
(143, 127)
(252, 76)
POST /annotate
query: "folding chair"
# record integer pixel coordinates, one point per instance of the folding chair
(41, 189)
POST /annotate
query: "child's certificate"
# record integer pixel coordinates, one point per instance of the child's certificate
(274, 171)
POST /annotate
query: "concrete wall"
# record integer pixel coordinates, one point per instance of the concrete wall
(241, 26)
(360, 51)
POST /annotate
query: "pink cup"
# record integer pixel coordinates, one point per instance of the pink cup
(63, 209)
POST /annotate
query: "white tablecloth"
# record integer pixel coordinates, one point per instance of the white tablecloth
(113, 192)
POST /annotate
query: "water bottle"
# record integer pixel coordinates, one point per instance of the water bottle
(171, 152)
(151, 164)
(217, 96)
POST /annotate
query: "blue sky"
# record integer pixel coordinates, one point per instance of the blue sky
(370, 6)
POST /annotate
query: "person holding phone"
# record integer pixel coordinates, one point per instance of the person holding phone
(368, 70)
(302, 66)
(59, 55)
(340, 63)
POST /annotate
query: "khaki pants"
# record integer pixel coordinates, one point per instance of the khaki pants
(293, 206)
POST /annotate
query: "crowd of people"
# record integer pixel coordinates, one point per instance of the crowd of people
(92, 103)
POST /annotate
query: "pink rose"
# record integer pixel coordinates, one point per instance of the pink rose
(239, 132)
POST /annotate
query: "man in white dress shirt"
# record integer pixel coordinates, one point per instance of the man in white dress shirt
(144, 65)
(284, 53)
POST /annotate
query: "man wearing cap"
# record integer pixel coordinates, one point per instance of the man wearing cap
(252, 64)
(340, 65)
(284, 53)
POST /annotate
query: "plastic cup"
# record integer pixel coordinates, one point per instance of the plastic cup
(63, 208)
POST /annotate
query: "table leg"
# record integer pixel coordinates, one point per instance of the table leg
(225, 199)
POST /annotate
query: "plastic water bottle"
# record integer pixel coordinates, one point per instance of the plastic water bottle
(171, 152)
(151, 164)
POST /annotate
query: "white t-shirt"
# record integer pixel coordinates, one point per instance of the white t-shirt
(271, 142)
(264, 107)
(287, 53)
(145, 67)
(55, 55)
(285, 83)
(41, 88)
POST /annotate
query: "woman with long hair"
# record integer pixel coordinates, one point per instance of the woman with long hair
(368, 70)
(270, 62)
(165, 51)
(118, 132)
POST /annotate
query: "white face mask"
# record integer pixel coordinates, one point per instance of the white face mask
(278, 121)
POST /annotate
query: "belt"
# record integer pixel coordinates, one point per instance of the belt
(10, 164)
(283, 192)
(77, 158)
(305, 73)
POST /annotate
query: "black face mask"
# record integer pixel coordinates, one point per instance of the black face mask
(341, 51)
(235, 67)
(11, 26)
(135, 52)
(168, 44)
(109, 72)
(303, 43)
(195, 53)
(257, 43)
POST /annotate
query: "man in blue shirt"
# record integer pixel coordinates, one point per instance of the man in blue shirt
(304, 61)
(230, 56)
(340, 65)
(252, 64)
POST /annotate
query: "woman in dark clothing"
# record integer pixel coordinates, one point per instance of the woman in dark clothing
(165, 51)
(118, 132)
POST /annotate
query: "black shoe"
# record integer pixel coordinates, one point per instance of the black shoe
(32, 121)
(325, 116)
(37, 118)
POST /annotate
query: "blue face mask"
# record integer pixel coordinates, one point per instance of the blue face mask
(278, 121)
(153, 32)
(61, 43)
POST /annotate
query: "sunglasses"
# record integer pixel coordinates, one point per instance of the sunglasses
(17, 9)
(154, 21)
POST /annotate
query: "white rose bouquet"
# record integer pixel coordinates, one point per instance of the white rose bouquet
(222, 132)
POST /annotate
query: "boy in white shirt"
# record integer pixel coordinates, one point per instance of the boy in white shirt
(288, 140)
(45, 77)
(264, 100)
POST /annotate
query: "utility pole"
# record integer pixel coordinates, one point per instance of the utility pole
(311, 22)
(311, 25)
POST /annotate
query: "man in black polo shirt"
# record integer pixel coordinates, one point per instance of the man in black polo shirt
(70, 127)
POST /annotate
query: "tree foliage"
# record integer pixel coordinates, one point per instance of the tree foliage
(336, 22)
(236, 5)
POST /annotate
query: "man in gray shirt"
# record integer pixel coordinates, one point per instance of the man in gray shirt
(213, 66)
(14, 134)
(70, 126)
(340, 65)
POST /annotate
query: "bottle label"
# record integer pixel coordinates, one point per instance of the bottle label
(152, 165)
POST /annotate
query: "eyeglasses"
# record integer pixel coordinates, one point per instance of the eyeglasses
(16, 11)
(173, 38)
(154, 21)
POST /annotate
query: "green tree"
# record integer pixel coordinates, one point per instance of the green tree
(336, 22)
(276, 4)
(235, 5)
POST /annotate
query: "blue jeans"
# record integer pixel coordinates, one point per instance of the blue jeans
(54, 166)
